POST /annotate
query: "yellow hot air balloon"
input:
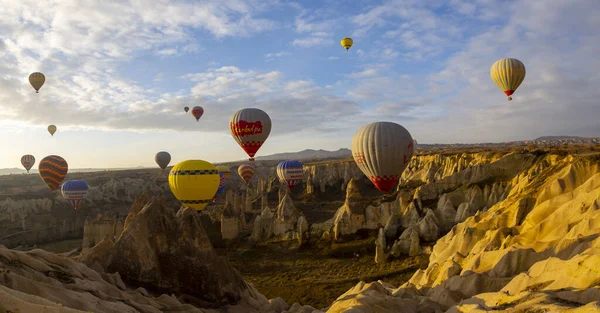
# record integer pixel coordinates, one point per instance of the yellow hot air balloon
(346, 43)
(37, 80)
(508, 74)
(194, 183)
(52, 129)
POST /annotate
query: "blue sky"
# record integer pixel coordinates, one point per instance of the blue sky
(119, 74)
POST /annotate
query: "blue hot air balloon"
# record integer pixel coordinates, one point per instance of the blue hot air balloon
(222, 182)
(74, 191)
(290, 172)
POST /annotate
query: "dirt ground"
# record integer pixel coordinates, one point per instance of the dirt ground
(315, 278)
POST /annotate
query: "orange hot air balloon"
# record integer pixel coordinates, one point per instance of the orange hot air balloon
(246, 171)
(53, 170)
(250, 128)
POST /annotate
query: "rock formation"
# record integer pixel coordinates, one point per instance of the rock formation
(532, 243)
(169, 253)
(95, 229)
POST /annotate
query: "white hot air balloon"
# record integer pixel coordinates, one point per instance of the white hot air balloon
(382, 151)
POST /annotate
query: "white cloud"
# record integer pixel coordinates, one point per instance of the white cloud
(333, 58)
(558, 43)
(276, 54)
(370, 72)
(316, 39)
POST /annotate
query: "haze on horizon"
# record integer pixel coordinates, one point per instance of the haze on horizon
(119, 74)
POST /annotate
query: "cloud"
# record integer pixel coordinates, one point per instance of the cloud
(333, 58)
(316, 39)
(558, 44)
(276, 54)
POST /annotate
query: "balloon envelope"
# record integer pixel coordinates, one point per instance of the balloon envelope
(27, 161)
(197, 112)
(194, 183)
(225, 170)
(290, 172)
(346, 43)
(508, 74)
(163, 159)
(250, 128)
(53, 170)
(52, 129)
(222, 182)
(246, 171)
(74, 191)
(382, 151)
(37, 80)
(186, 109)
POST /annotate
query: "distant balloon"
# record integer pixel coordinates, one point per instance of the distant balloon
(508, 74)
(52, 129)
(346, 43)
(290, 172)
(163, 159)
(186, 109)
(53, 170)
(197, 112)
(194, 183)
(225, 170)
(37, 80)
(74, 191)
(27, 161)
(250, 128)
(382, 151)
(222, 182)
(246, 171)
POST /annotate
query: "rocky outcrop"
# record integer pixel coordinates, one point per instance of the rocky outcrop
(532, 244)
(170, 253)
(95, 229)
(40, 281)
(286, 223)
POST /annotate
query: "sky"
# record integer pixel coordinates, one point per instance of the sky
(118, 74)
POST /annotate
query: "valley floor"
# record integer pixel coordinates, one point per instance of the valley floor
(316, 278)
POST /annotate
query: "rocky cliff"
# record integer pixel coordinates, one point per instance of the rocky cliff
(157, 249)
(532, 242)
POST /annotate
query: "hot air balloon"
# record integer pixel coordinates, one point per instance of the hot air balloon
(222, 182)
(290, 172)
(246, 171)
(225, 170)
(163, 159)
(250, 128)
(52, 129)
(37, 80)
(197, 112)
(194, 183)
(382, 151)
(186, 109)
(27, 161)
(346, 43)
(53, 170)
(74, 191)
(508, 74)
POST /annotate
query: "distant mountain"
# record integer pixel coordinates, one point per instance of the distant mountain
(308, 154)
(557, 137)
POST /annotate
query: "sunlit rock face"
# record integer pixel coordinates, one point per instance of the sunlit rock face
(528, 240)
